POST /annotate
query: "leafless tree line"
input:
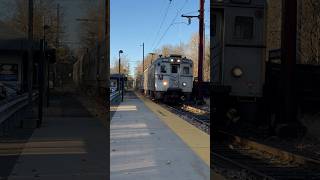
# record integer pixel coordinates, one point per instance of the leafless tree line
(189, 50)
(308, 38)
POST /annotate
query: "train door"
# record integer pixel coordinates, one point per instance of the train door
(244, 50)
(174, 79)
(217, 46)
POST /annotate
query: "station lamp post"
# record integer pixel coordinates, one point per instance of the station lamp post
(142, 57)
(46, 27)
(120, 52)
(122, 81)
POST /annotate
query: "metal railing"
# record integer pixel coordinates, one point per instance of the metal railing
(114, 95)
(12, 109)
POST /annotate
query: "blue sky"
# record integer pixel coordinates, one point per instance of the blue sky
(135, 22)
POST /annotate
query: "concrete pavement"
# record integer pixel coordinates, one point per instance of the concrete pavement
(144, 148)
(72, 144)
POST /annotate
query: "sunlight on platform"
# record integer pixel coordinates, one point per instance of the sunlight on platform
(123, 108)
(131, 126)
(134, 130)
(42, 147)
(142, 160)
(129, 135)
(125, 153)
(132, 166)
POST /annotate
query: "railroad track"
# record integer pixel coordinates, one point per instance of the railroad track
(250, 163)
(200, 121)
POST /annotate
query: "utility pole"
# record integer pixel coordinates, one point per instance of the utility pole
(201, 42)
(30, 55)
(42, 78)
(58, 26)
(288, 63)
(200, 48)
(121, 79)
(99, 44)
(57, 43)
(41, 82)
(142, 57)
(107, 53)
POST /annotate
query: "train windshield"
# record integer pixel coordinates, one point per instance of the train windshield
(163, 68)
(174, 68)
(186, 70)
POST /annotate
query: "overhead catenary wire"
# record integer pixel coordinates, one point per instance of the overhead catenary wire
(162, 22)
(171, 24)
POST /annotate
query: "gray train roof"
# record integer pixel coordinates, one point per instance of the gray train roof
(185, 60)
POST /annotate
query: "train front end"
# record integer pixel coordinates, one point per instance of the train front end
(173, 78)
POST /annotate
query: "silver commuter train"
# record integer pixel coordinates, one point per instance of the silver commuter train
(237, 55)
(169, 77)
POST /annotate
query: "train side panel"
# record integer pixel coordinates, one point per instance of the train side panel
(239, 48)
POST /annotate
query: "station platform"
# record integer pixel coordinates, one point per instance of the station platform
(71, 144)
(147, 142)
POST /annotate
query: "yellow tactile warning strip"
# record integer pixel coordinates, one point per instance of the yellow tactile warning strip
(42, 147)
(197, 140)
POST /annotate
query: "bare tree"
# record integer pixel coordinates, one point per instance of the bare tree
(308, 29)
(189, 50)
(310, 32)
(44, 14)
(124, 67)
(92, 28)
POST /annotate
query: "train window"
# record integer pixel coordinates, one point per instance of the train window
(163, 69)
(243, 27)
(186, 70)
(174, 68)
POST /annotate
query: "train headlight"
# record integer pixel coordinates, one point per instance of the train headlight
(178, 60)
(184, 84)
(237, 72)
(165, 83)
(171, 60)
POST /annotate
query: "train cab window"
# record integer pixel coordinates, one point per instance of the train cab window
(163, 69)
(186, 70)
(243, 27)
(174, 68)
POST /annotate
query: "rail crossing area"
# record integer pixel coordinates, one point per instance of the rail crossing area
(149, 141)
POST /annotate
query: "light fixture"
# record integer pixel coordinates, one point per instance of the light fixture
(184, 84)
(237, 72)
(165, 83)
